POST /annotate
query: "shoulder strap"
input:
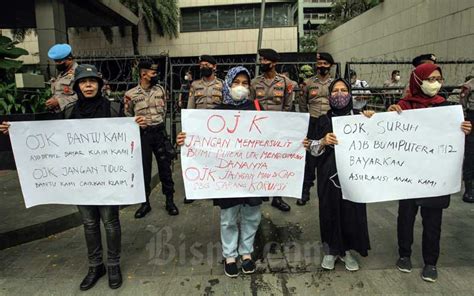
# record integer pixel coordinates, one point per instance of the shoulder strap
(115, 108)
(257, 105)
(68, 110)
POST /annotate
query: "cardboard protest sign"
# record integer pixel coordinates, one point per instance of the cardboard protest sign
(418, 153)
(243, 153)
(79, 162)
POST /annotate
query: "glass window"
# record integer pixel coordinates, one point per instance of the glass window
(280, 15)
(208, 19)
(267, 19)
(227, 18)
(245, 18)
(189, 20)
(234, 17)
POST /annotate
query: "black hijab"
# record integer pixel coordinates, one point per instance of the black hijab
(96, 107)
(348, 108)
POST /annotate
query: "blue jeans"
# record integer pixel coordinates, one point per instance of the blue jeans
(249, 220)
(91, 216)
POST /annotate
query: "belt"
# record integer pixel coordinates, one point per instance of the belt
(154, 128)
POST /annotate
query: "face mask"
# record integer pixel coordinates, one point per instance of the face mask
(206, 72)
(108, 92)
(239, 93)
(154, 80)
(186, 77)
(430, 88)
(61, 67)
(266, 67)
(324, 70)
(397, 78)
(339, 100)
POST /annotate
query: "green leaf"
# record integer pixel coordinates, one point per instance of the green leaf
(10, 64)
(12, 52)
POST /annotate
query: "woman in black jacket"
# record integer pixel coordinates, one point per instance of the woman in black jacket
(91, 104)
(343, 223)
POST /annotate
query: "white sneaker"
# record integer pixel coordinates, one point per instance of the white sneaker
(328, 262)
(350, 261)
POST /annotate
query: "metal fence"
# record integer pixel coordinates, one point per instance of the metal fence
(376, 72)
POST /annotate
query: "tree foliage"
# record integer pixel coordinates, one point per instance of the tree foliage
(342, 11)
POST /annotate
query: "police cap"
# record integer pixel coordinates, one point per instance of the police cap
(325, 56)
(424, 57)
(148, 65)
(207, 58)
(269, 54)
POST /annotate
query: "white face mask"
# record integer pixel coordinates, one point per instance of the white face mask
(239, 93)
(108, 92)
(186, 77)
(430, 88)
(397, 77)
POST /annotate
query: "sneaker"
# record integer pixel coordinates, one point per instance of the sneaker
(404, 264)
(350, 261)
(248, 266)
(328, 262)
(230, 269)
(430, 273)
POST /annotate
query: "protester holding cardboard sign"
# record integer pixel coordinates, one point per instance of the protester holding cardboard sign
(425, 83)
(236, 97)
(343, 223)
(91, 104)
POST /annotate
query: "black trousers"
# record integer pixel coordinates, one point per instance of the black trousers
(432, 218)
(468, 166)
(311, 161)
(91, 216)
(154, 143)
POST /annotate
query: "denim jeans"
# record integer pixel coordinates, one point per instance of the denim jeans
(234, 244)
(91, 216)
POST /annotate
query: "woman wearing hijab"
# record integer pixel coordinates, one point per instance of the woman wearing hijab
(343, 223)
(92, 104)
(236, 96)
(425, 83)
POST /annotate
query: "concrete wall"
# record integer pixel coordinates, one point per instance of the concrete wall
(402, 29)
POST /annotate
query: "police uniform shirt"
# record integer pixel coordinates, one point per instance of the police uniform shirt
(274, 95)
(148, 103)
(205, 95)
(315, 96)
(61, 88)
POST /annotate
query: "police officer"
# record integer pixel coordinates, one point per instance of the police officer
(315, 101)
(62, 86)
(274, 93)
(206, 93)
(149, 99)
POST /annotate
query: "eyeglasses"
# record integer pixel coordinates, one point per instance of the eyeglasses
(433, 79)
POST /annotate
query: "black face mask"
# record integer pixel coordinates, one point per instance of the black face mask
(324, 70)
(61, 67)
(206, 72)
(154, 80)
(266, 67)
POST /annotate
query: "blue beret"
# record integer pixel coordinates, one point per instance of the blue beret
(59, 51)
